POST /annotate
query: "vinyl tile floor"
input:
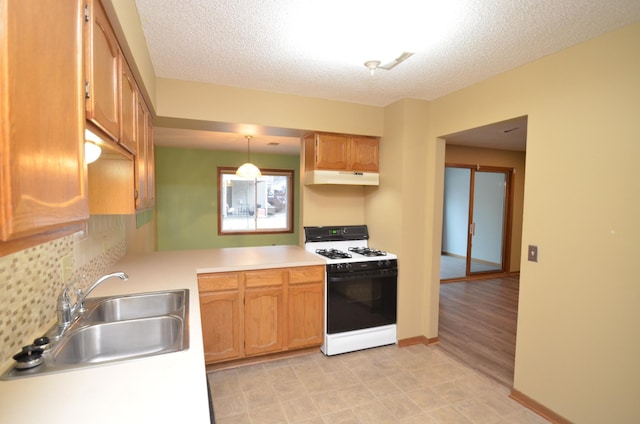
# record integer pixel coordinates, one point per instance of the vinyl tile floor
(411, 385)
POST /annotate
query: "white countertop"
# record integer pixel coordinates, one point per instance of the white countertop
(169, 388)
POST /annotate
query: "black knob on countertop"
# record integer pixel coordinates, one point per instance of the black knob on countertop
(28, 353)
(41, 341)
(29, 357)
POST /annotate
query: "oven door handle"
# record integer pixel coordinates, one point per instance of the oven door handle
(347, 276)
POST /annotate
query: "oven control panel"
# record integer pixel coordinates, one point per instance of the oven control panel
(345, 232)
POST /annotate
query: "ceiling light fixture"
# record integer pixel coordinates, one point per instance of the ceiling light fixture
(372, 65)
(248, 170)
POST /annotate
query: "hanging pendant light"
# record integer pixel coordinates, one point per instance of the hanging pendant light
(248, 170)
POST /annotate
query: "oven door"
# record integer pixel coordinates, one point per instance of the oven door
(361, 299)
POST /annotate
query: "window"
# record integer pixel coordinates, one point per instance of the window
(264, 205)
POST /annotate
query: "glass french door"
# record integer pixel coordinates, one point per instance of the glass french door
(475, 220)
(488, 217)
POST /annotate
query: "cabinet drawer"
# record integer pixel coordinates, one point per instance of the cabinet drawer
(218, 281)
(264, 277)
(306, 274)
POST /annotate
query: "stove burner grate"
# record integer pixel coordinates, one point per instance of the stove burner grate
(366, 251)
(333, 253)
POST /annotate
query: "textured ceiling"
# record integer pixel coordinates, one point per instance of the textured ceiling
(317, 48)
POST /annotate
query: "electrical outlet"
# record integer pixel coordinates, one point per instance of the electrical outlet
(533, 253)
(67, 268)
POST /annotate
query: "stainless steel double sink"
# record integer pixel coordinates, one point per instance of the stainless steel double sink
(118, 328)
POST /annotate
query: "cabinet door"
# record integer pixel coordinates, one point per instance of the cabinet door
(141, 158)
(102, 71)
(263, 320)
(332, 151)
(128, 108)
(220, 312)
(305, 315)
(364, 154)
(42, 169)
(151, 168)
(221, 335)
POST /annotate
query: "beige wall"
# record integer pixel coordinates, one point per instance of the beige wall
(207, 102)
(462, 155)
(577, 344)
(140, 239)
(395, 211)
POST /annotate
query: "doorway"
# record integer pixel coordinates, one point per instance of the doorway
(476, 221)
(481, 310)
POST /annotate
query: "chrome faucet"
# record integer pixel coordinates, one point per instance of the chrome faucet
(68, 314)
(65, 317)
(79, 307)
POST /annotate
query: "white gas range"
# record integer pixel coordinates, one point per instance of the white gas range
(361, 289)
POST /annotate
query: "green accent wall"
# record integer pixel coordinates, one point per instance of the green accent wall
(187, 198)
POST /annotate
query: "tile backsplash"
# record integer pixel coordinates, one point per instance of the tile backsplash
(32, 279)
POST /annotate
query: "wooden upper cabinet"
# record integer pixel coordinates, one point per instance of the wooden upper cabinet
(122, 185)
(364, 154)
(102, 68)
(332, 151)
(151, 168)
(141, 160)
(42, 175)
(128, 108)
(341, 152)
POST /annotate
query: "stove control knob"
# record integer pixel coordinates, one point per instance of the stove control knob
(338, 267)
(384, 264)
(347, 266)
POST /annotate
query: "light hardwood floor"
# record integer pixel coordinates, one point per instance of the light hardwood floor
(477, 324)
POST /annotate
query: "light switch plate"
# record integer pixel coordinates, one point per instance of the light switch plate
(533, 253)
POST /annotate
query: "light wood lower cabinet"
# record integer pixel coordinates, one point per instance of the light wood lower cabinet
(306, 312)
(305, 324)
(253, 313)
(263, 320)
(220, 305)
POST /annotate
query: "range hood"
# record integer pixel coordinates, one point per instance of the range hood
(318, 177)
